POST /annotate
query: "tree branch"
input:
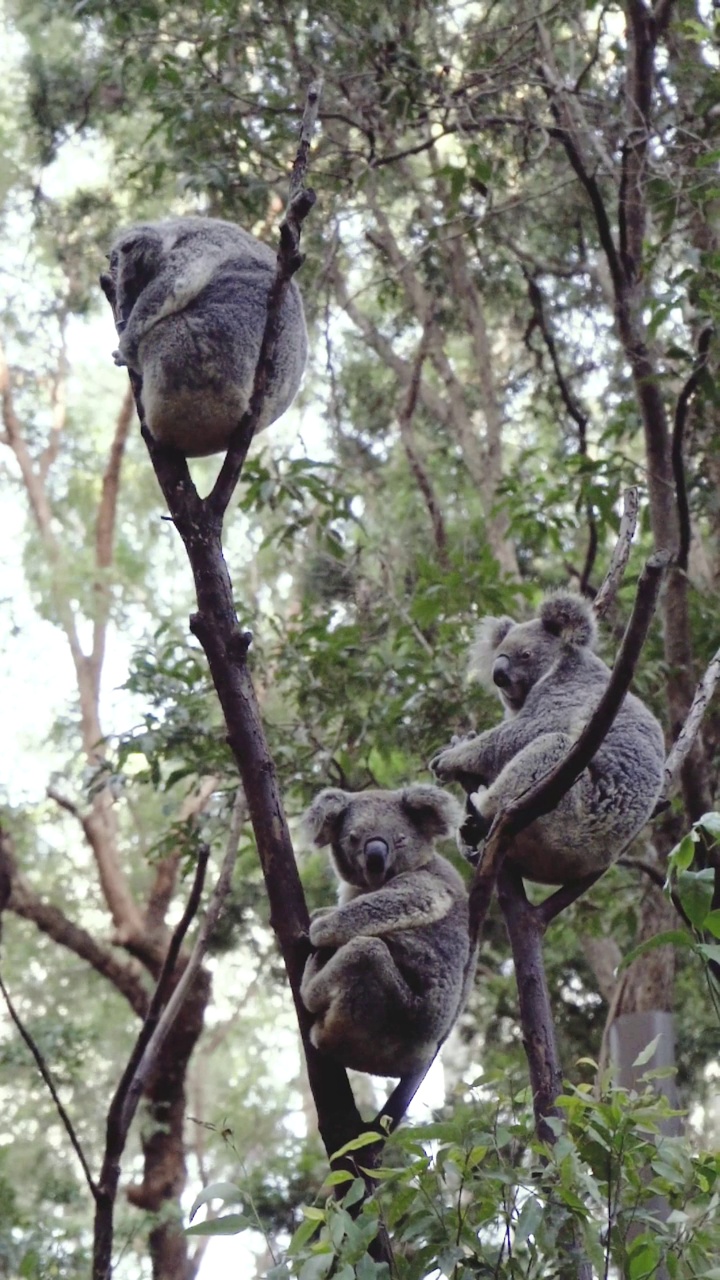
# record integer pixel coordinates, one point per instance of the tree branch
(678, 463)
(119, 1114)
(605, 597)
(50, 1084)
(424, 483)
(686, 738)
(51, 920)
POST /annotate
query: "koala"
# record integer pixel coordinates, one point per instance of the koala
(192, 297)
(550, 681)
(392, 965)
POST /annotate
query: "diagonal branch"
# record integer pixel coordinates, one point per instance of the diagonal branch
(50, 1085)
(51, 920)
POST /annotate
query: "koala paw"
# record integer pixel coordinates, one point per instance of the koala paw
(321, 933)
(119, 359)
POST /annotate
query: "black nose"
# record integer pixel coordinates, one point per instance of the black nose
(501, 672)
(376, 854)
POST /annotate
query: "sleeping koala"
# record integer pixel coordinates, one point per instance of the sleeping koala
(392, 964)
(550, 682)
(191, 294)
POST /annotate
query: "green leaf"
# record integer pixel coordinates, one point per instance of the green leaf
(229, 1225)
(646, 1054)
(712, 922)
(318, 1266)
(671, 937)
(529, 1220)
(710, 822)
(216, 1191)
(695, 891)
(683, 854)
(710, 951)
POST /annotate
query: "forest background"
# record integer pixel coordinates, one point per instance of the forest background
(512, 275)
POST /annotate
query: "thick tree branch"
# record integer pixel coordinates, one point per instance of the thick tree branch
(215, 624)
(51, 920)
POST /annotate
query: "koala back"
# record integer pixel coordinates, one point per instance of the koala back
(193, 293)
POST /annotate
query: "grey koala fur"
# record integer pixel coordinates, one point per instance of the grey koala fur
(193, 293)
(550, 681)
(392, 965)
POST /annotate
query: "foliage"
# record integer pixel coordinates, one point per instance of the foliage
(476, 1194)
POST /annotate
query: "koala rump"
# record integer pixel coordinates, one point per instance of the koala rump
(391, 964)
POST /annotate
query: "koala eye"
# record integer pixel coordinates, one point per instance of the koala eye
(525, 655)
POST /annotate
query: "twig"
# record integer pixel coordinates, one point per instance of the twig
(119, 1117)
(175, 1003)
(579, 417)
(606, 595)
(47, 1077)
(678, 464)
(405, 417)
(686, 738)
(289, 259)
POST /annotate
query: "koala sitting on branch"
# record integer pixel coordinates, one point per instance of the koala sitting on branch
(392, 963)
(550, 681)
(191, 294)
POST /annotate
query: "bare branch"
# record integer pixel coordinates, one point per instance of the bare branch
(49, 919)
(119, 1116)
(49, 1082)
(289, 259)
(678, 463)
(424, 483)
(606, 595)
(686, 738)
(174, 1004)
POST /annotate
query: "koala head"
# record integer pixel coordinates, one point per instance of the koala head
(512, 656)
(375, 835)
(135, 259)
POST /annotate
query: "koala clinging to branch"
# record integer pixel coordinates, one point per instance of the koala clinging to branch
(392, 962)
(192, 296)
(550, 681)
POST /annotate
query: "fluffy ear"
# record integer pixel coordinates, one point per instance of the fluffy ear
(321, 818)
(569, 617)
(490, 633)
(434, 812)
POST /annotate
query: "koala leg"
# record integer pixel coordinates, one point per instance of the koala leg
(366, 1015)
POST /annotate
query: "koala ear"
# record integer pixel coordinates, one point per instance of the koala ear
(434, 812)
(570, 618)
(320, 819)
(490, 633)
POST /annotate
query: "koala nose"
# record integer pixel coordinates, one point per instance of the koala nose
(376, 854)
(501, 672)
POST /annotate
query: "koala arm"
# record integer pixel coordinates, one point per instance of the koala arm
(408, 902)
(475, 759)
